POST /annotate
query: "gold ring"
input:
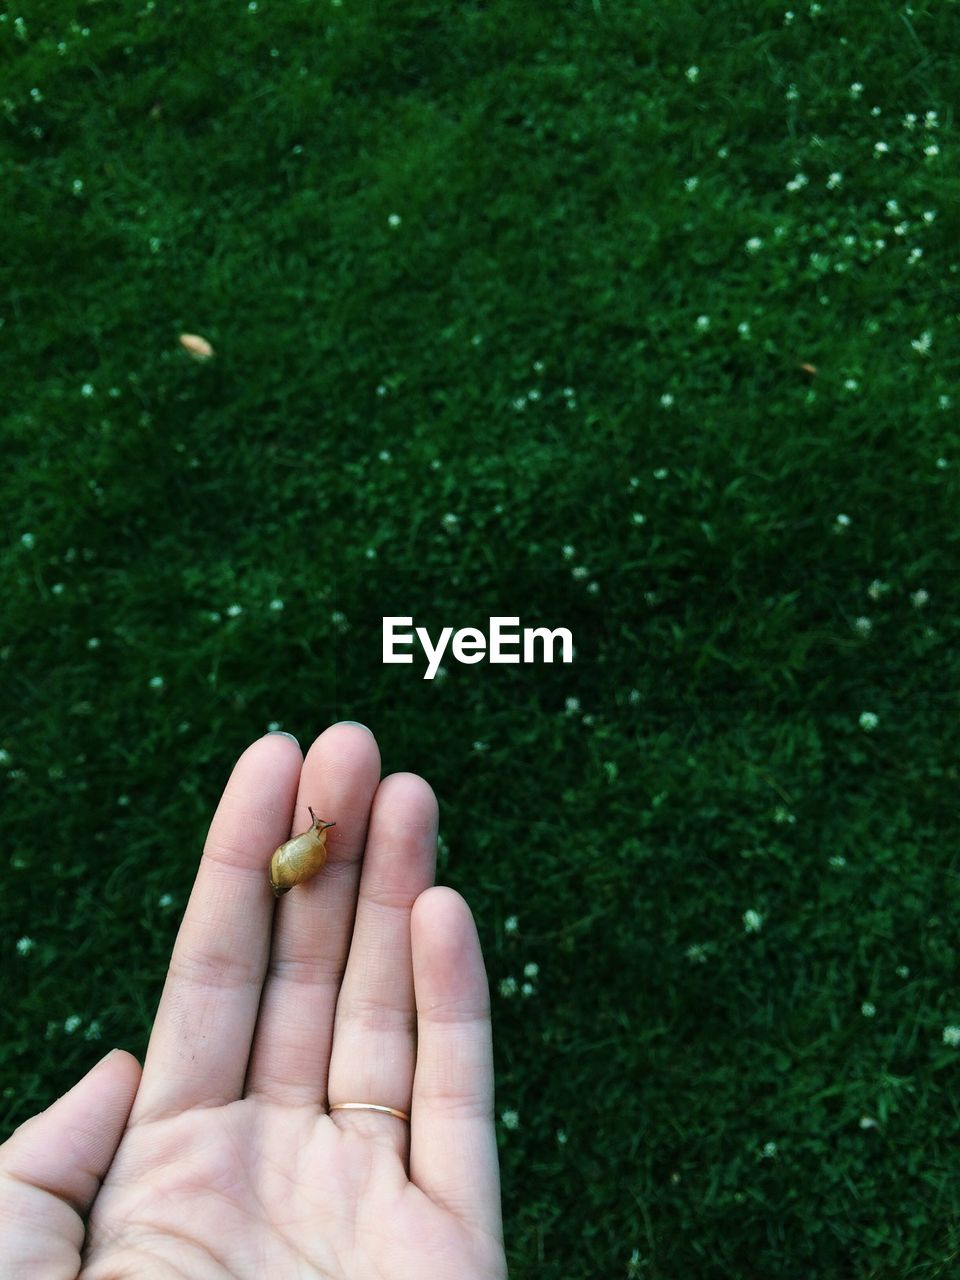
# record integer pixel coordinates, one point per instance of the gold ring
(369, 1106)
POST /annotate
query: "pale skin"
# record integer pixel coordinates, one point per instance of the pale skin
(220, 1161)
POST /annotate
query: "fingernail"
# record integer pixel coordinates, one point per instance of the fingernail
(282, 733)
(356, 723)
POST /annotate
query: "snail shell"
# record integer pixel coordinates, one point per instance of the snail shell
(300, 857)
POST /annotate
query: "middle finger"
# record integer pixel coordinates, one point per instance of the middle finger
(313, 924)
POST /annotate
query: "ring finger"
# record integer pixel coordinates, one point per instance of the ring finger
(374, 1036)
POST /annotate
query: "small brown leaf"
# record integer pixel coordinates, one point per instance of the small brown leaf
(198, 347)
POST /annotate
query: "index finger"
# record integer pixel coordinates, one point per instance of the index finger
(198, 1050)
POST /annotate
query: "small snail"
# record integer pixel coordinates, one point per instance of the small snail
(300, 857)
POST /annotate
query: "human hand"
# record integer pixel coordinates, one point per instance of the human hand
(222, 1161)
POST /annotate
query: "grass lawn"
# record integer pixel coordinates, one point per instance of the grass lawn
(635, 318)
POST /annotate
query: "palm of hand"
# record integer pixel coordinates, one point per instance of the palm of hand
(258, 1190)
(364, 985)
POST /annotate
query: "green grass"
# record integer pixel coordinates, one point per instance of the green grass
(238, 173)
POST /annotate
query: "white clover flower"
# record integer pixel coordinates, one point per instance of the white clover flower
(838, 860)
(754, 244)
(450, 521)
(834, 181)
(942, 464)
(157, 682)
(697, 953)
(538, 366)
(868, 721)
(867, 1122)
(520, 403)
(568, 552)
(932, 120)
(28, 540)
(639, 518)
(72, 1023)
(893, 208)
(508, 987)
(25, 946)
(87, 389)
(792, 93)
(919, 598)
(851, 384)
(480, 746)
(533, 394)
(868, 1010)
(743, 328)
(769, 1150)
(93, 1031)
(910, 120)
(798, 182)
(691, 184)
(394, 220)
(703, 322)
(903, 971)
(666, 399)
(511, 924)
(381, 389)
(915, 254)
(384, 455)
(531, 969)
(633, 697)
(572, 706)
(923, 343)
(931, 150)
(693, 74)
(435, 464)
(568, 393)
(562, 1137)
(951, 1036)
(276, 605)
(661, 473)
(881, 148)
(57, 589)
(788, 17)
(165, 900)
(4, 756)
(944, 401)
(580, 572)
(856, 89)
(234, 610)
(511, 1119)
(93, 643)
(527, 989)
(864, 626)
(843, 521)
(875, 111)
(752, 921)
(929, 215)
